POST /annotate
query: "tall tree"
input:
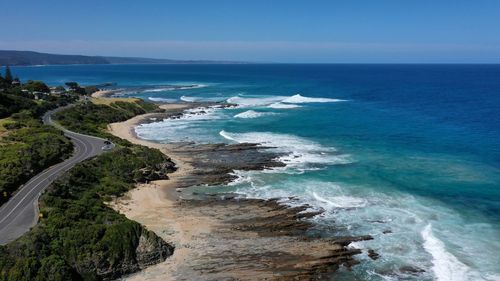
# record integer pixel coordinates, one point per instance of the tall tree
(8, 74)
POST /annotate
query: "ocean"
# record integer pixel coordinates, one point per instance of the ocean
(409, 154)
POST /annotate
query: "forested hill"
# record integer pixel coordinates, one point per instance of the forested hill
(34, 58)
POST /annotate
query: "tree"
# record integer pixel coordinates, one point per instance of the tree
(8, 74)
(36, 86)
(72, 85)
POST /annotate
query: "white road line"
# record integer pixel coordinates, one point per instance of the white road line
(83, 149)
(55, 171)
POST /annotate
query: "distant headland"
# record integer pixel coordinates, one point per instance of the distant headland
(21, 58)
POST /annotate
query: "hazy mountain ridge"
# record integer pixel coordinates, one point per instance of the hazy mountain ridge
(10, 57)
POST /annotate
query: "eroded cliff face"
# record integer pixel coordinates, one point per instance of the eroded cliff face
(146, 250)
(152, 249)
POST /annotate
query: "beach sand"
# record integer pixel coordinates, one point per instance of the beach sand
(223, 239)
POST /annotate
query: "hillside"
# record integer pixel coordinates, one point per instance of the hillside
(34, 58)
(8, 57)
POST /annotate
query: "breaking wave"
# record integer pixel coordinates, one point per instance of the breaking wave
(296, 152)
(162, 99)
(278, 102)
(252, 114)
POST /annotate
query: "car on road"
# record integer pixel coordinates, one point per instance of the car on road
(108, 145)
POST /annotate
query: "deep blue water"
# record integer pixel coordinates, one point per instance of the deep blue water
(414, 149)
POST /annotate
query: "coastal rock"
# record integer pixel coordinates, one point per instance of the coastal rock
(225, 237)
(413, 270)
(373, 255)
(215, 163)
(157, 172)
(152, 249)
(263, 240)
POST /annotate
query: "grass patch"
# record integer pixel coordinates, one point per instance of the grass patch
(109, 101)
(3, 123)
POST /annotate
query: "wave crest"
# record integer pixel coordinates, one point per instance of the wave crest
(252, 114)
(445, 265)
(278, 102)
(301, 99)
(161, 99)
(298, 153)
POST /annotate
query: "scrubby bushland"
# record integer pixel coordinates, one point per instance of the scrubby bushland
(27, 148)
(36, 86)
(79, 237)
(90, 118)
(14, 101)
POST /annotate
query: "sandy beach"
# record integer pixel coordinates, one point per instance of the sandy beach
(125, 130)
(224, 239)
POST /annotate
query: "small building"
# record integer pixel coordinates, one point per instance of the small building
(57, 90)
(39, 95)
(16, 83)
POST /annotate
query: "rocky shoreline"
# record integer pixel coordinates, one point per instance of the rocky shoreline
(221, 237)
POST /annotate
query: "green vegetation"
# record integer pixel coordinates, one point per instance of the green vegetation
(8, 75)
(13, 100)
(88, 90)
(79, 237)
(36, 86)
(92, 119)
(27, 148)
(26, 145)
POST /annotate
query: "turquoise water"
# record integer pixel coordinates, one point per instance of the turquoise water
(409, 154)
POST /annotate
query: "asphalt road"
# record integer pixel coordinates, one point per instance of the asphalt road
(20, 213)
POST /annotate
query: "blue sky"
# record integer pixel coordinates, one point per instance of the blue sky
(389, 31)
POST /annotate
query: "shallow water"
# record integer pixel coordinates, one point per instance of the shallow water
(409, 154)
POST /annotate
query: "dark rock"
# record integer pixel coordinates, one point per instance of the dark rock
(373, 255)
(152, 249)
(409, 269)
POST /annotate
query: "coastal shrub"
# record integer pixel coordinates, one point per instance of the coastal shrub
(93, 119)
(36, 86)
(10, 103)
(80, 237)
(26, 146)
(14, 101)
(26, 150)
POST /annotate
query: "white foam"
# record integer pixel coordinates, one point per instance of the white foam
(340, 201)
(241, 177)
(188, 99)
(279, 105)
(254, 101)
(200, 113)
(157, 90)
(279, 102)
(252, 114)
(161, 99)
(195, 86)
(299, 153)
(173, 88)
(301, 99)
(446, 267)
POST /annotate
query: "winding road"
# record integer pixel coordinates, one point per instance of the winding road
(20, 213)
